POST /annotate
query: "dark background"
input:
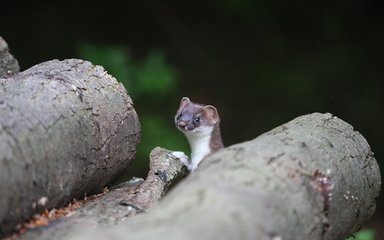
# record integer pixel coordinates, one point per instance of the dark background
(261, 63)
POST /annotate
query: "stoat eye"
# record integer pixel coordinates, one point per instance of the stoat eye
(179, 116)
(196, 119)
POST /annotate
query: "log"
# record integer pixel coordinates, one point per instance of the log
(122, 202)
(311, 178)
(67, 128)
(8, 64)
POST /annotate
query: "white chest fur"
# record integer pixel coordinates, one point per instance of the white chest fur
(200, 145)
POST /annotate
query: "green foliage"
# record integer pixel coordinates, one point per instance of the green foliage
(149, 81)
(154, 77)
(159, 132)
(115, 59)
(364, 234)
(149, 77)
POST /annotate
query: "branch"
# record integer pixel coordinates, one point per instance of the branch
(125, 200)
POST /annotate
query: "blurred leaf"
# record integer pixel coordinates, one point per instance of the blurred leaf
(159, 132)
(115, 59)
(154, 76)
(364, 234)
(156, 131)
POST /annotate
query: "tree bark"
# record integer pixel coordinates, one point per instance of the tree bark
(8, 64)
(312, 178)
(66, 128)
(123, 201)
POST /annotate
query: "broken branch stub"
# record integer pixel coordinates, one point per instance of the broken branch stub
(8, 64)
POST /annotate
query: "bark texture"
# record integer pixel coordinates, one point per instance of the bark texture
(312, 178)
(8, 64)
(66, 128)
(123, 201)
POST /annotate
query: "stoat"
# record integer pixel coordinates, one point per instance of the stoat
(200, 124)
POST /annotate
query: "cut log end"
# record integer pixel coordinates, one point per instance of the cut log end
(67, 128)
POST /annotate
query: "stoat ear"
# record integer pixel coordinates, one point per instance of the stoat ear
(184, 101)
(211, 113)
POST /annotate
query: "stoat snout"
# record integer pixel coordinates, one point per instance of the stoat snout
(186, 125)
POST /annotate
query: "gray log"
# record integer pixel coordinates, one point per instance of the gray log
(8, 64)
(66, 128)
(123, 201)
(312, 178)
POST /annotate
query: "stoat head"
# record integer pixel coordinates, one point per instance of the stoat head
(193, 118)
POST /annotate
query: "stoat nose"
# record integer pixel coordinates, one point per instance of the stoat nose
(182, 124)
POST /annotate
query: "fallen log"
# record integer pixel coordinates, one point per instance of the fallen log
(8, 64)
(311, 178)
(67, 128)
(122, 201)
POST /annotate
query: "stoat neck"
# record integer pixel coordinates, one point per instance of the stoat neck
(200, 146)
